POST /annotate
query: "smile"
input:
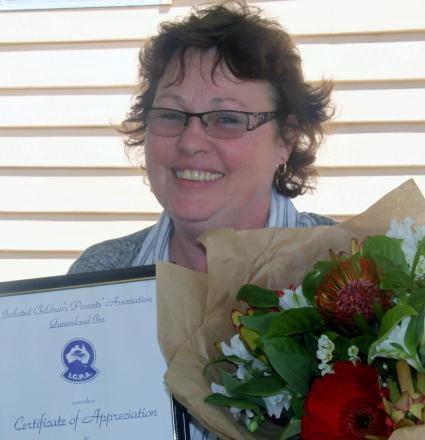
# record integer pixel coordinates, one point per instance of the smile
(198, 175)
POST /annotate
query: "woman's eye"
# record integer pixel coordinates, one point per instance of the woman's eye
(228, 119)
(171, 116)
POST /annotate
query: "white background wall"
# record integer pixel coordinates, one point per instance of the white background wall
(66, 75)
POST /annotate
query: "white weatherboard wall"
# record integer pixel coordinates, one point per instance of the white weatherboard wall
(66, 75)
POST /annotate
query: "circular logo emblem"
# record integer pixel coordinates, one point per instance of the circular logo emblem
(78, 357)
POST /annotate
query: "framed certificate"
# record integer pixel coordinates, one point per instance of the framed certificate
(80, 359)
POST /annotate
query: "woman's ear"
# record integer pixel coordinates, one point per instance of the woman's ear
(290, 137)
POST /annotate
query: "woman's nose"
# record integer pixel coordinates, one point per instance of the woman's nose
(194, 138)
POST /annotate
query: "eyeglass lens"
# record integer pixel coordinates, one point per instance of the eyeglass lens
(223, 124)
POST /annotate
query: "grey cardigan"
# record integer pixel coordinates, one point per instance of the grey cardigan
(117, 253)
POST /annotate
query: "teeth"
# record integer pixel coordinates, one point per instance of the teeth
(198, 175)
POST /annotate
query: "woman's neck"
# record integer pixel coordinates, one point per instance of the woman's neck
(186, 251)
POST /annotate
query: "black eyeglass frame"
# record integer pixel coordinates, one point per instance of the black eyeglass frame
(262, 117)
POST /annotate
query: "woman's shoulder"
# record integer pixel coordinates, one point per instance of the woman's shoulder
(117, 253)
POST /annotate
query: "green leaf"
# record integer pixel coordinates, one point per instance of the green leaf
(385, 250)
(419, 253)
(229, 382)
(361, 323)
(393, 278)
(417, 299)
(297, 405)
(286, 344)
(256, 296)
(258, 323)
(391, 319)
(291, 361)
(291, 429)
(421, 354)
(379, 311)
(313, 279)
(294, 321)
(231, 359)
(263, 386)
(393, 316)
(237, 402)
(415, 332)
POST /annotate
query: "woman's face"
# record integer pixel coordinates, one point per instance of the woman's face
(204, 182)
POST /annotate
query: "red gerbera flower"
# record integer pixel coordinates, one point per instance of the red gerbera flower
(351, 288)
(346, 405)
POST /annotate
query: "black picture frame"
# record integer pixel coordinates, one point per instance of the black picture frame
(180, 417)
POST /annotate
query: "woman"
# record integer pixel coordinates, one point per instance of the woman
(230, 131)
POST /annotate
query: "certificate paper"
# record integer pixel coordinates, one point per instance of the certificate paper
(83, 363)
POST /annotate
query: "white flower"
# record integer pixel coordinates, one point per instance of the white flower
(396, 336)
(248, 416)
(259, 365)
(393, 346)
(325, 347)
(325, 343)
(276, 403)
(326, 369)
(353, 353)
(241, 372)
(293, 299)
(219, 389)
(324, 355)
(237, 412)
(411, 236)
(237, 348)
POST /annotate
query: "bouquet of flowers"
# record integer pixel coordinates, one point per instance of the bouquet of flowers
(333, 358)
(314, 358)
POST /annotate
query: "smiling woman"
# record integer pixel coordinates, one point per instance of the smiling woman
(229, 130)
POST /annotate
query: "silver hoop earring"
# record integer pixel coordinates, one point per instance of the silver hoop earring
(279, 174)
(281, 169)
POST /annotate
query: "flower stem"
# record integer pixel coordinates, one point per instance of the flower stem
(404, 377)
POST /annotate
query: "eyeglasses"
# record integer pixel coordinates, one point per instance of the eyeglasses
(220, 124)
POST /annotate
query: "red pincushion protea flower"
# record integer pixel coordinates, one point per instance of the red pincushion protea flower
(346, 405)
(351, 288)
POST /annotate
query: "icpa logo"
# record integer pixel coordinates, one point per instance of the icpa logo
(78, 357)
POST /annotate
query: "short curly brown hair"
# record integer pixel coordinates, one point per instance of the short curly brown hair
(253, 48)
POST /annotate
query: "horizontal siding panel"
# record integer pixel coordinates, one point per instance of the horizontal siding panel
(108, 65)
(68, 152)
(70, 235)
(330, 17)
(24, 268)
(368, 61)
(89, 109)
(379, 105)
(373, 150)
(346, 17)
(348, 195)
(70, 194)
(101, 110)
(69, 67)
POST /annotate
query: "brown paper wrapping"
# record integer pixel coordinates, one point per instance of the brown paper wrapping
(194, 309)
(181, 296)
